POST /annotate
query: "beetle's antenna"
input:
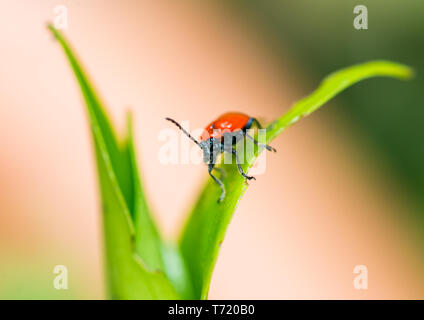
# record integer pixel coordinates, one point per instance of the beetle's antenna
(183, 130)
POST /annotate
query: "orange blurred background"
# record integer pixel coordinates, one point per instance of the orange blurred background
(321, 208)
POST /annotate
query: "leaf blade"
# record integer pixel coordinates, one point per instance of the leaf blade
(134, 266)
(206, 226)
(334, 84)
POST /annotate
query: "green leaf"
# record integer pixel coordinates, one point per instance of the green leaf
(148, 242)
(205, 229)
(134, 262)
(334, 84)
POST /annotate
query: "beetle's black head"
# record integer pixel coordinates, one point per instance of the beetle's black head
(211, 147)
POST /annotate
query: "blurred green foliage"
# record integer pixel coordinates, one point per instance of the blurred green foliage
(27, 276)
(388, 117)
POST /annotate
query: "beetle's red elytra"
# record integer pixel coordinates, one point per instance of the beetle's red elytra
(231, 124)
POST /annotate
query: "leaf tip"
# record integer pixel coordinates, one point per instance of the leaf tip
(410, 73)
(398, 70)
(51, 28)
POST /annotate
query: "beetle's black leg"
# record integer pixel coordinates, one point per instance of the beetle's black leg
(219, 182)
(220, 170)
(240, 169)
(255, 121)
(269, 148)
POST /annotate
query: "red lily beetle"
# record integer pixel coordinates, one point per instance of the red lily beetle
(233, 124)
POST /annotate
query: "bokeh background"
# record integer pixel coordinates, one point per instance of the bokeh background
(346, 187)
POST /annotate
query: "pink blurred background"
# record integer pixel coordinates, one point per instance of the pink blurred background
(320, 209)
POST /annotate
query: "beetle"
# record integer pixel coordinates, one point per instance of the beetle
(231, 126)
